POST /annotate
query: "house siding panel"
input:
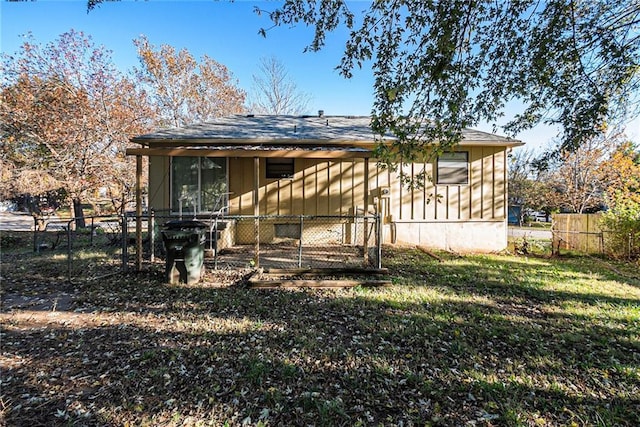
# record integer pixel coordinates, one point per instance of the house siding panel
(297, 187)
(487, 183)
(241, 173)
(159, 183)
(322, 187)
(335, 188)
(500, 184)
(476, 177)
(310, 202)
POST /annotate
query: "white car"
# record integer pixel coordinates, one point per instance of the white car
(539, 216)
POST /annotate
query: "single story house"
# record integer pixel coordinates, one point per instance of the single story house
(324, 165)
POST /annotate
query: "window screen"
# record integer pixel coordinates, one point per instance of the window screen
(279, 168)
(453, 168)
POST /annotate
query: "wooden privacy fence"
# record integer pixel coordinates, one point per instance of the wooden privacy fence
(578, 232)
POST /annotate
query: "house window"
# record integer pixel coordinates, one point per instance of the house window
(279, 168)
(198, 183)
(453, 168)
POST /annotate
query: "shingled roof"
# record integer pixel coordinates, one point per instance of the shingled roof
(290, 130)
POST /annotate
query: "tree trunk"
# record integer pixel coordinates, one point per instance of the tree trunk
(78, 214)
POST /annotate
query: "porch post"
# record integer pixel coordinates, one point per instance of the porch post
(256, 210)
(365, 244)
(139, 213)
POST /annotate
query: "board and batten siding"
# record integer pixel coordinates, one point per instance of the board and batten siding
(159, 183)
(336, 187)
(318, 187)
(469, 217)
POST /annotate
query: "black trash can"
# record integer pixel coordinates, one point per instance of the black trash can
(184, 242)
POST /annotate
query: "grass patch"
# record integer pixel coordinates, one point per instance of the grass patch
(474, 340)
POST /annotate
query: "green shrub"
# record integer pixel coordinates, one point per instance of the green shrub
(622, 225)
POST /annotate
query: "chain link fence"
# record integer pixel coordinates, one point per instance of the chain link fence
(108, 245)
(281, 241)
(61, 249)
(608, 243)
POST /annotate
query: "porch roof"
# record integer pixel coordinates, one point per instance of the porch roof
(289, 136)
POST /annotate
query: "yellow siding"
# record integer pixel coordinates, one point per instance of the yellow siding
(310, 203)
(335, 187)
(487, 183)
(319, 187)
(159, 183)
(483, 198)
(241, 172)
(500, 184)
(346, 189)
(476, 176)
(297, 188)
(325, 187)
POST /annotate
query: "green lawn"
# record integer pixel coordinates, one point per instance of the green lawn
(476, 340)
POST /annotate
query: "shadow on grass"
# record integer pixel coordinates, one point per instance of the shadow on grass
(484, 341)
(538, 279)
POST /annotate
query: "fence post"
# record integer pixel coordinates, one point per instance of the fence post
(151, 225)
(300, 242)
(138, 213)
(69, 250)
(215, 243)
(125, 237)
(601, 243)
(91, 230)
(379, 238)
(35, 235)
(365, 237)
(256, 209)
(256, 246)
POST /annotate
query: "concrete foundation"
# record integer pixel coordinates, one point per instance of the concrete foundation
(458, 236)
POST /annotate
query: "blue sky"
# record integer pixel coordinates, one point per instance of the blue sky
(225, 31)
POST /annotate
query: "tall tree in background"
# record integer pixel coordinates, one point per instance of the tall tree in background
(620, 172)
(183, 90)
(440, 66)
(577, 177)
(530, 186)
(274, 92)
(66, 116)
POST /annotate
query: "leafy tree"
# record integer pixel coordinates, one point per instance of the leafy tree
(577, 178)
(440, 66)
(184, 90)
(66, 117)
(529, 185)
(621, 173)
(274, 92)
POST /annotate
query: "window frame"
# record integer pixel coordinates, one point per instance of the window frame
(287, 164)
(176, 209)
(442, 162)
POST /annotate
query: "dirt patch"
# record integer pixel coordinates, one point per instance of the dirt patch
(318, 278)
